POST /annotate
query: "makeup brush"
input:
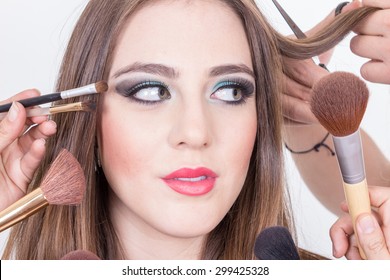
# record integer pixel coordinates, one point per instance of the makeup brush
(87, 106)
(275, 243)
(339, 102)
(81, 255)
(63, 184)
(98, 87)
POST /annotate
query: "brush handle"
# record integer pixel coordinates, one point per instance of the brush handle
(33, 101)
(23, 208)
(358, 201)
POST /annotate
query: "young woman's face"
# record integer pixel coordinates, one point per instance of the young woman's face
(178, 123)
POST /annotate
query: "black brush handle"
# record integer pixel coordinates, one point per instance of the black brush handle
(33, 101)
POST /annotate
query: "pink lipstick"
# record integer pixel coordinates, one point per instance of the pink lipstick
(192, 182)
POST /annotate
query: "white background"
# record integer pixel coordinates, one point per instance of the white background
(34, 35)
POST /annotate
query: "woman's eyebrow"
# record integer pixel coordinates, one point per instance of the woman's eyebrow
(231, 69)
(151, 68)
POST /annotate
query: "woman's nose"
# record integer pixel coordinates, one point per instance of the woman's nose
(192, 127)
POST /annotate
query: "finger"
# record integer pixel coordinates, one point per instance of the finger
(326, 56)
(380, 198)
(376, 72)
(352, 6)
(344, 207)
(353, 249)
(297, 110)
(362, 46)
(22, 95)
(376, 3)
(304, 72)
(371, 238)
(297, 90)
(12, 125)
(339, 233)
(31, 160)
(41, 131)
(374, 24)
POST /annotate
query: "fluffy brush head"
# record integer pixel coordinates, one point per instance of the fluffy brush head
(64, 182)
(275, 243)
(80, 255)
(339, 102)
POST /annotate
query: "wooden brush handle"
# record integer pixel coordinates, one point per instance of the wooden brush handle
(358, 203)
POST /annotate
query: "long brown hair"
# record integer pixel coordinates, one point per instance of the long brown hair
(263, 201)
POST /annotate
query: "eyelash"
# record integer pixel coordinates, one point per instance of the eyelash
(130, 92)
(245, 86)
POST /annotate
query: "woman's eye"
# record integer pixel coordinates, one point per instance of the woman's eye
(148, 92)
(233, 92)
(229, 94)
(152, 93)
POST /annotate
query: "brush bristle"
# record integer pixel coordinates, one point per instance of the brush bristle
(275, 243)
(339, 102)
(101, 87)
(64, 183)
(88, 106)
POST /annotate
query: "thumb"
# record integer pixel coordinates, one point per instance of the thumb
(12, 125)
(371, 238)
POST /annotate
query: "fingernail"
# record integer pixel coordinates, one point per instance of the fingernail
(13, 112)
(366, 224)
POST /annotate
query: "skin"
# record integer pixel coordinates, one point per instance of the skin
(372, 42)
(194, 127)
(372, 230)
(302, 130)
(20, 153)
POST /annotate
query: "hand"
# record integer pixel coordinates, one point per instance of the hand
(373, 230)
(302, 75)
(20, 151)
(297, 90)
(373, 41)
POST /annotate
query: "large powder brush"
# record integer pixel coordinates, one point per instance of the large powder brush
(339, 102)
(63, 184)
(275, 243)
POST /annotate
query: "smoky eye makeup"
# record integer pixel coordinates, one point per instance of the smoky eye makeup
(233, 91)
(143, 91)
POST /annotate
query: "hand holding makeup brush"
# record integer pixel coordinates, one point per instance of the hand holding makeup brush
(372, 230)
(20, 153)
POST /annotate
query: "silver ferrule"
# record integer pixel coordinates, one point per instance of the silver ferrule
(349, 153)
(88, 89)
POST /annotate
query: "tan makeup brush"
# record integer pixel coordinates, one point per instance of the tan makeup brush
(63, 184)
(87, 106)
(339, 102)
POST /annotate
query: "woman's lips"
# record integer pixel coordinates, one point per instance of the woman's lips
(192, 182)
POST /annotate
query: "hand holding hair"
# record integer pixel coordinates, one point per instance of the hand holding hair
(20, 153)
(372, 41)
